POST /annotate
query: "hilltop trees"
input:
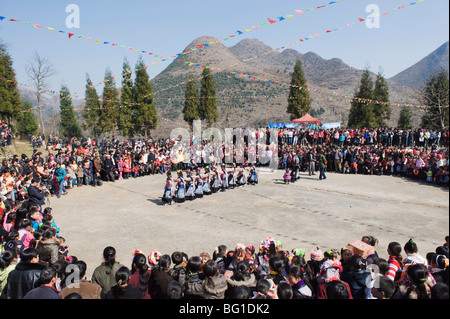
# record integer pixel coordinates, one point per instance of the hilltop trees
(299, 102)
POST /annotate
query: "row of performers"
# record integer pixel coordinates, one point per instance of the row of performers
(196, 184)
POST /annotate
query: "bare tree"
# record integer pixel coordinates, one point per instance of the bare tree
(39, 69)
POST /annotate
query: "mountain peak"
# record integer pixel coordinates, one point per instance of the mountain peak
(248, 48)
(418, 74)
(202, 41)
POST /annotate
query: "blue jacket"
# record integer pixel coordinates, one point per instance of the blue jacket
(60, 174)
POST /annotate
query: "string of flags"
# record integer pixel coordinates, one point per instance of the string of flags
(165, 58)
(270, 21)
(244, 61)
(239, 32)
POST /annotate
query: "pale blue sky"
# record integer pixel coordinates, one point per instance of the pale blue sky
(167, 27)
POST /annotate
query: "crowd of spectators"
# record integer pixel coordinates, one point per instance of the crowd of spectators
(6, 135)
(36, 261)
(417, 154)
(28, 271)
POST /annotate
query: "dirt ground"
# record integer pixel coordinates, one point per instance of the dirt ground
(129, 215)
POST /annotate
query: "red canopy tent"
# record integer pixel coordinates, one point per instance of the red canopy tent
(306, 119)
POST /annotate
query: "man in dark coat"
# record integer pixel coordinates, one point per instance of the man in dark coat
(151, 160)
(97, 167)
(26, 276)
(47, 288)
(108, 166)
(35, 195)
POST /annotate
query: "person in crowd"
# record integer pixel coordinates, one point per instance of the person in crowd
(8, 262)
(104, 275)
(47, 288)
(160, 278)
(140, 275)
(76, 283)
(26, 276)
(122, 290)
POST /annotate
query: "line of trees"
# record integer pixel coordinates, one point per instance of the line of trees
(370, 106)
(134, 113)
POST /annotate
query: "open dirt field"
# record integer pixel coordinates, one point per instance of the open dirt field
(129, 215)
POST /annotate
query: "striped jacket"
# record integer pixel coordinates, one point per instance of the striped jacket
(394, 266)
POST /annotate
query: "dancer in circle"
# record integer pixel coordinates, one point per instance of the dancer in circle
(223, 178)
(167, 195)
(180, 193)
(215, 180)
(240, 179)
(198, 184)
(231, 178)
(190, 185)
(253, 175)
(205, 177)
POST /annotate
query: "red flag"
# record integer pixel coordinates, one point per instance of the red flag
(271, 21)
(361, 20)
(13, 20)
(37, 26)
(70, 35)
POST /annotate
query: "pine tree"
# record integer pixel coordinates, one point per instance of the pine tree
(145, 115)
(91, 112)
(190, 110)
(10, 103)
(125, 122)
(435, 94)
(361, 111)
(69, 122)
(382, 111)
(299, 102)
(404, 120)
(208, 103)
(27, 123)
(109, 112)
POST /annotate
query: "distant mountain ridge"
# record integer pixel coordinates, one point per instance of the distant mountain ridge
(247, 102)
(418, 74)
(261, 61)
